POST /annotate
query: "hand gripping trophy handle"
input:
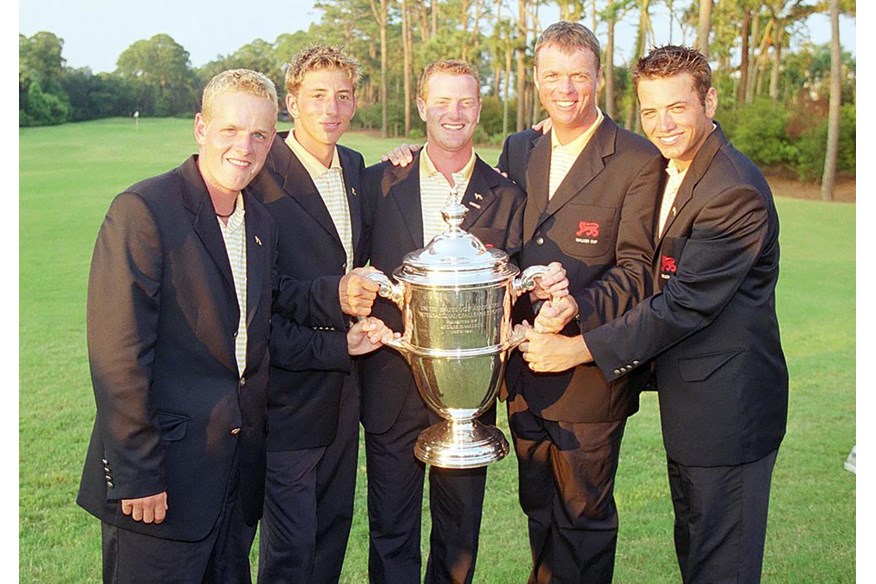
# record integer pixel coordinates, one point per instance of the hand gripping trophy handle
(522, 284)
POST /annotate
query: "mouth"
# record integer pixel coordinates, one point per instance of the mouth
(238, 163)
(453, 127)
(669, 140)
(565, 104)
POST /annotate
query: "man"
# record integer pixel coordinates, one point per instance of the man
(406, 204)
(310, 186)
(179, 300)
(711, 326)
(592, 188)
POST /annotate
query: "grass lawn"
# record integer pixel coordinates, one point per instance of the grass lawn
(69, 174)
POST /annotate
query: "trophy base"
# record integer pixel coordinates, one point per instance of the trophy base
(461, 444)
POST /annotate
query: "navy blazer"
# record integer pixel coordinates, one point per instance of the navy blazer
(599, 226)
(495, 216)
(712, 326)
(309, 357)
(162, 321)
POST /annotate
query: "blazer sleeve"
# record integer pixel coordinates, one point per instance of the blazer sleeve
(313, 303)
(726, 240)
(629, 281)
(124, 296)
(297, 347)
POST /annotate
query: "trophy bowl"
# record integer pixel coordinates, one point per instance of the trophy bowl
(455, 296)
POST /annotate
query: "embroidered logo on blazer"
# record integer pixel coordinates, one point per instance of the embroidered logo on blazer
(588, 232)
(667, 266)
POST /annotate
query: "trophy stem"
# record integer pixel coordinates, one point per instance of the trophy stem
(461, 443)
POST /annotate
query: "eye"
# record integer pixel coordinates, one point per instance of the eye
(647, 113)
(227, 131)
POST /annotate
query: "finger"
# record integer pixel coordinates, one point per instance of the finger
(160, 513)
(127, 507)
(137, 512)
(148, 514)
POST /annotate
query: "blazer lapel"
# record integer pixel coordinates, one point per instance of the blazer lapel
(479, 195)
(537, 178)
(256, 238)
(405, 191)
(299, 186)
(694, 174)
(196, 199)
(588, 164)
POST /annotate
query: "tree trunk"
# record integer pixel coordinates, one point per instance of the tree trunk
(521, 64)
(828, 177)
(507, 97)
(705, 25)
(609, 69)
(381, 18)
(743, 64)
(407, 53)
(642, 35)
(777, 63)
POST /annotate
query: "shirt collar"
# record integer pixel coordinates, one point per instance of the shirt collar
(235, 220)
(427, 167)
(313, 166)
(576, 146)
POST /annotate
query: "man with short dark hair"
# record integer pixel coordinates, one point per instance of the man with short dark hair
(591, 191)
(711, 326)
(179, 301)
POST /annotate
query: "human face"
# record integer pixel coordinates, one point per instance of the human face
(322, 109)
(674, 118)
(567, 84)
(235, 141)
(451, 110)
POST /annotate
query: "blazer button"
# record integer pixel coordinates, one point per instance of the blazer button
(539, 240)
(235, 431)
(617, 371)
(234, 336)
(242, 381)
(636, 363)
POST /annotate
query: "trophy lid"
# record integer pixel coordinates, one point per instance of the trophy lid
(455, 256)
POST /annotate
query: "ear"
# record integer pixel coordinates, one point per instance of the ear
(200, 129)
(292, 105)
(421, 108)
(711, 102)
(535, 77)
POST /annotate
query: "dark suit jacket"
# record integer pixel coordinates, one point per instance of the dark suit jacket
(309, 358)
(599, 226)
(721, 373)
(394, 196)
(162, 320)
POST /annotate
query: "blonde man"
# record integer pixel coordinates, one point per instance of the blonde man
(179, 301)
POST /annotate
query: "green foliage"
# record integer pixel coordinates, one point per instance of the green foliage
(811, 148)
(37, 108)
(758, 131)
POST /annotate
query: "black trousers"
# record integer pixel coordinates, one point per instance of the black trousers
(395, 504)
(222, 557)
(721, 519)
(566, 488)
(309, 504)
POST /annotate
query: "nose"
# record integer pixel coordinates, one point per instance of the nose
(566, 85)
(665, 121)
(243, 142)
(331, 106)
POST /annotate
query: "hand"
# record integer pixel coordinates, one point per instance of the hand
(401, 155)
(552, 284)
(357, 293)
(552, 353)
(151, 509)
(368, 335)
(543, 126)
(555, 314)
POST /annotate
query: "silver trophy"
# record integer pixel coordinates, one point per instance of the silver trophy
(455, 296)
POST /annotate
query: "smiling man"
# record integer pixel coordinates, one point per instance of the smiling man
(592, 188)
(406, 208)
(311, 186)
(711, 328)
(179, 301)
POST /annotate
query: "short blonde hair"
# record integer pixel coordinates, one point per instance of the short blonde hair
(568, 37)
(448, 67)
(237, 80)
(319, 57)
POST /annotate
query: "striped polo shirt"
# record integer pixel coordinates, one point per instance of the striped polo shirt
(435, 190)
(234, 234)
(563, 156)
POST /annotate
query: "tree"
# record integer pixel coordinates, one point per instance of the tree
(41, 97)
(161, 68)
(381, 15)
(705, 24)
(828, 178)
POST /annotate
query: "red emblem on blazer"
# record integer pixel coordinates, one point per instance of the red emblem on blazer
(588, 228)
(667, 264)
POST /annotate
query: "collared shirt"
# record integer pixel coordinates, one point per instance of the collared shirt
(234, 234)
(434, 191)
(563, 156)
(330, 184)
(672, 184)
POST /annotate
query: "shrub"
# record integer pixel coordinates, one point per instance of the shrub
(811, 148)
(758, 131)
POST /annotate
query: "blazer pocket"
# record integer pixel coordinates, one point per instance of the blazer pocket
(585, 230)
(172, 426)
(701, 367)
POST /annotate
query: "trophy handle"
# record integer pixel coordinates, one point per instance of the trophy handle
(526, 281)
(394, 292)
